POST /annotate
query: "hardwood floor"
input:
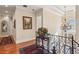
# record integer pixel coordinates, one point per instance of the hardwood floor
(14, 48)
(24, 44)
(8, 49)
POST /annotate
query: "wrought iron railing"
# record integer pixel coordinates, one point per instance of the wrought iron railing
(76, 47)
(63, 45)
(59, 44)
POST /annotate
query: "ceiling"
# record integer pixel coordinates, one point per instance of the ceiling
(55, 8)
(7, 10)
(36, 7)
(11, 8)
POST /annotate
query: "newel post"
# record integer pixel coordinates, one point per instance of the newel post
(72, 45)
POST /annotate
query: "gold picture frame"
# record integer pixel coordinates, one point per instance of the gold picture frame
(14, 24)
(27, 22)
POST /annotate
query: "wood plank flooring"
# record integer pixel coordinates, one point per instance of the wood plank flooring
(14, 49)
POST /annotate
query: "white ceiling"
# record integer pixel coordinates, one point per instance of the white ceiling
(55, 8)
(36, 7)
(11, 8)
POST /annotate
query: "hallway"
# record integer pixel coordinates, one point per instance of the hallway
(52, 29)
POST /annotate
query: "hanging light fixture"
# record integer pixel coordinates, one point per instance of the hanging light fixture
(66, 26)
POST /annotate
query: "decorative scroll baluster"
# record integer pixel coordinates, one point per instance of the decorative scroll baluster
(61, 45)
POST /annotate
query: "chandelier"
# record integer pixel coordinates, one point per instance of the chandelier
(65, 26)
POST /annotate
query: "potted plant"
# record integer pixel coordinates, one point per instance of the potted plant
(42, 31)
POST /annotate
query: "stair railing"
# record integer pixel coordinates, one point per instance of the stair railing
(57, 44)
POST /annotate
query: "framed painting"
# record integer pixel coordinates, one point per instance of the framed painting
(27, 22)
(15, 24)
(4, 27)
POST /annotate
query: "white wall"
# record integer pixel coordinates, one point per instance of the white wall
(24, 35)
(51, 21)
(39, 18)
(0, 25)
(77, 23)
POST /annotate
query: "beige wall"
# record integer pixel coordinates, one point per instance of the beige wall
(27, 34)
